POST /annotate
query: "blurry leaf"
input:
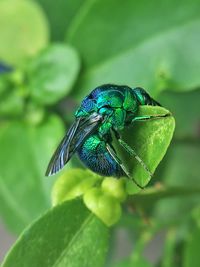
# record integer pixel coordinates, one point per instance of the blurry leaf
(12, 93)
(185, 108)
(11, 104)
(25, 152)
(52, 73)
(34, 113)
(178, 173)
(66, 236)
(191, 253)
(60, 13)
(182, 169)
(23, 28)
(130, 263)
(153, 45)
(4, 84)
(169, 249)
(196, 215)
(150, 140)
(137, 257)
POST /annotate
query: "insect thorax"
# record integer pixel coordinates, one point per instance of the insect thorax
(114, 103)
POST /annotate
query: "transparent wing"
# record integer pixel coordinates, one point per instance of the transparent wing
(74, 138)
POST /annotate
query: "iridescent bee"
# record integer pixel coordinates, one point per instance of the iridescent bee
(107, 109)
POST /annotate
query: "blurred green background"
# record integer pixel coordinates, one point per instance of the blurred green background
(52, 53)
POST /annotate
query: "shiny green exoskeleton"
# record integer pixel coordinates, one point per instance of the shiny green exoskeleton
(107, 109)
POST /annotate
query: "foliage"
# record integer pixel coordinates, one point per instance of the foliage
(83, 233)
(23, 36)
(52, 53)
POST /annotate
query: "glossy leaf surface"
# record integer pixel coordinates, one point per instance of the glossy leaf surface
(66, 236)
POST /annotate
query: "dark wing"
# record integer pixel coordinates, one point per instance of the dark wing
(74, 138)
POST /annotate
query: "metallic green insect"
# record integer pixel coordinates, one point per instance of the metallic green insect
(107, 109)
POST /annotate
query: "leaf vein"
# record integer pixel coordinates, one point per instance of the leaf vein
(74, 238)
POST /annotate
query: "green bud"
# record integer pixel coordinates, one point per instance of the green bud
(109, 209)
(91, 198)
(115, 187)
(104, 206)
(71, 184)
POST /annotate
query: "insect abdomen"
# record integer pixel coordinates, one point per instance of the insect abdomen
(94, 155)
(144, 98)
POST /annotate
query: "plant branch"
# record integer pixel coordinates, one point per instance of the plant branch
(148, 197)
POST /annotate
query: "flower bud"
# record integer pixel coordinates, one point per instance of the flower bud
(104, 206)
(71, 184)
(115, 187)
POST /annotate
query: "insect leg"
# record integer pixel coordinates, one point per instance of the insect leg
(132, 152)
(150, 117)
(135, 155)
(129, 149)
(115, 157)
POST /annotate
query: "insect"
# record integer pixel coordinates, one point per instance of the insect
(107, 109)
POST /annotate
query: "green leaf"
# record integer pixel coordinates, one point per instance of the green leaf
(191, 253)
(25, 152)
(153, 45)
(24, 30)
(35, 113)
(150, 140)
(52, 73)
(4, 83)
(137, 256)
(185, 108)
(196, 215)
(169, 249)
(11, 104)
(129, 263)
(179, 174)
(68, 235)
(60, 13)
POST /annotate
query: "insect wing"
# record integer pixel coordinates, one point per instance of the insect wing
(74, 138)
(57, 160)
